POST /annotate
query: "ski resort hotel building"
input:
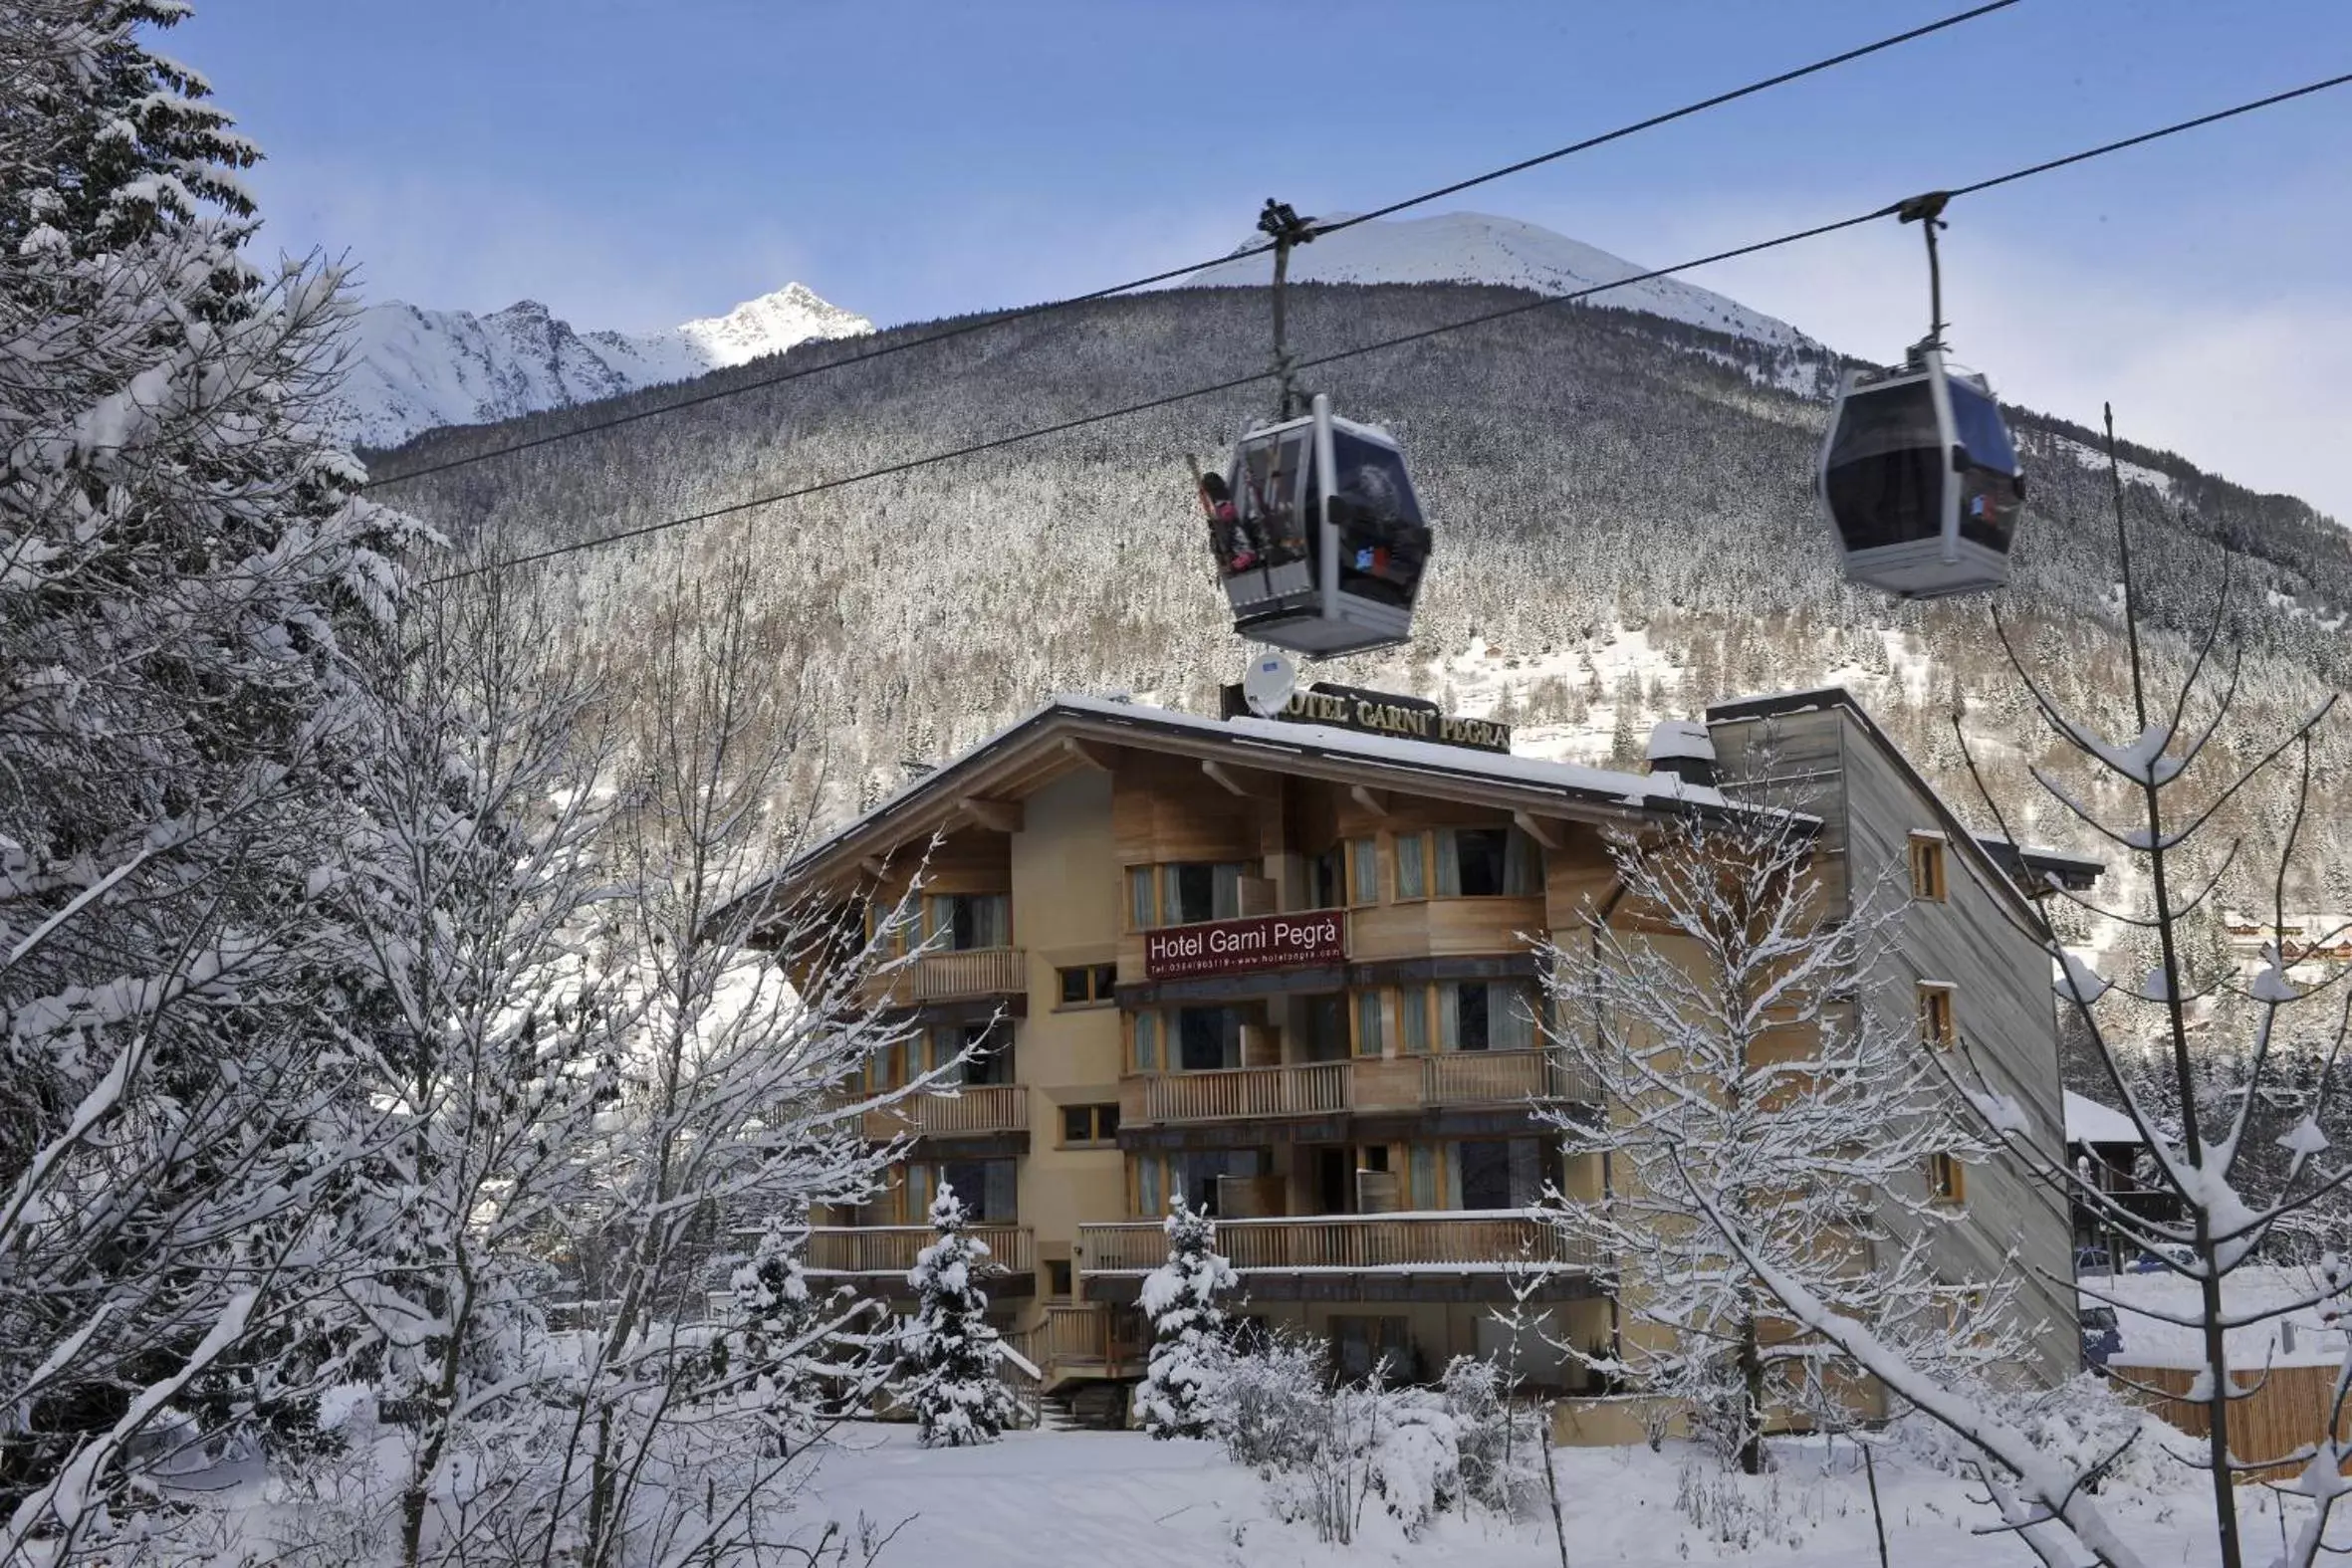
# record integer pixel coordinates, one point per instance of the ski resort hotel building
(1286, 967)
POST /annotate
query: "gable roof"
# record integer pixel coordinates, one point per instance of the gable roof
(1050, 741)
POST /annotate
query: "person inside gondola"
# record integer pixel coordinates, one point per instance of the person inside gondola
(1230, 537)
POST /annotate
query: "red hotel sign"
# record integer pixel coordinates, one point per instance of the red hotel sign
(1235, 947)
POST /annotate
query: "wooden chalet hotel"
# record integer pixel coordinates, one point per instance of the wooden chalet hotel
(1284, 968)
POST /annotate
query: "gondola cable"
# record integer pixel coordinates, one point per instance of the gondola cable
(1104, 416)
(987, 320)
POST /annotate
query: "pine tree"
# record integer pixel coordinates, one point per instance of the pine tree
(1188, 1326)
(191, 591)
(951, 1352)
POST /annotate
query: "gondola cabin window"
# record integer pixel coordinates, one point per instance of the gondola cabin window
(1926, 867)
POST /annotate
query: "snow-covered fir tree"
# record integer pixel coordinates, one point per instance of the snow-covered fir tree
(1744, 1073)
(1180, 1297)
(950, 1352)
(191, 591)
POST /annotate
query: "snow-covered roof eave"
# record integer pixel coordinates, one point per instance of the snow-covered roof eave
(1588, 786)
(2088, 1121)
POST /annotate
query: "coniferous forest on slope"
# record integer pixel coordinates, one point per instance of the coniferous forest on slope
(1590, 472)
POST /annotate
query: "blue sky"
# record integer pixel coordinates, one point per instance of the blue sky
(633, 165)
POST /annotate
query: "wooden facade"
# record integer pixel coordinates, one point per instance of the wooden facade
(1369, 1135)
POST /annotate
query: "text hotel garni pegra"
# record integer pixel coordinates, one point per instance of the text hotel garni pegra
(1287, 969)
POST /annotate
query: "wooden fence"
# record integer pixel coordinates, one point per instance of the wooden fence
(2286, 1411)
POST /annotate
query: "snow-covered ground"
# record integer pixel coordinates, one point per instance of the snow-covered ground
(1122, 1501)
(2150, 1342)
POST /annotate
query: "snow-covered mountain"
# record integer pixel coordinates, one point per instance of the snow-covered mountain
(1478, 247)
(411, 370)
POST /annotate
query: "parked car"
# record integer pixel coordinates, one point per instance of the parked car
(2101, 1336)
(2180, 1252)
(2092, 1260)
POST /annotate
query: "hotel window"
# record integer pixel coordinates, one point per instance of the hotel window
(1360, 1344)
(1194, 1174)
(1476, 1015)
(1412, 876)
(1147, 1042)
(1935, 1016)
(990, 1047)
(959, 922)
(1057, 1277)
(1203, 1039)
(1184, 893)
(1947, 1180)
(1487, 862)
(1497, 1173)
(1364, 871)
(1926, 867)
(987, 1187)
(1412, 1013)
(1367, 1023)
(1089, 1124)
(1088, 984)
(1327, 879)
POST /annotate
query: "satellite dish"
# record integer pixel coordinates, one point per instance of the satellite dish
(1269, 683)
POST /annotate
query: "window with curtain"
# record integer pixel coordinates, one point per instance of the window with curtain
(1207, 1038)
(1364, 871)
(1151, 1200)
(1476, 1015)
(921, 1185)
(1412, 1013)
(1367, 1023)
(989, 1189)
(1412, 879)
(1147, 1042)
(1487, 862)
(1497, 1173)
(960, 922)
(1143, 910)
(1424, 1165)
(1196, 1173)
(1326, 876)
(990, 1045)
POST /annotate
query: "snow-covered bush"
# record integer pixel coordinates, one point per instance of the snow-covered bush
(1269, 1398)
(1497, 1444)
(1188, 1327)
(951, 1353)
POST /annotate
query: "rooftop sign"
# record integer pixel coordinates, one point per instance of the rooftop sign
(1237, 947)
(1380, 713)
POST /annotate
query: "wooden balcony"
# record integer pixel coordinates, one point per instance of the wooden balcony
(1305, 1089)
(1443, 1080)
(881, 1251)
(1484, 1241)
(972, 1109)
(1087, 1339)
(971, 974)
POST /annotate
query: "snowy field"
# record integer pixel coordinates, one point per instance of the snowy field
(1122, 1501)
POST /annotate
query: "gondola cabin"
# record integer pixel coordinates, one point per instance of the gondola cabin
(1920, 481)
(1318, 535)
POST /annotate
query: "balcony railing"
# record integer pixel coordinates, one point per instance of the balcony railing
(1307, 1089)
(1471, 1241)
(882, 1250)
(941, 1113)
(969, 975)
(1397, 1083)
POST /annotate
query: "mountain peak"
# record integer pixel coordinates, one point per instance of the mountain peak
(1480, 247)
(771, 324)
(413, 369)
